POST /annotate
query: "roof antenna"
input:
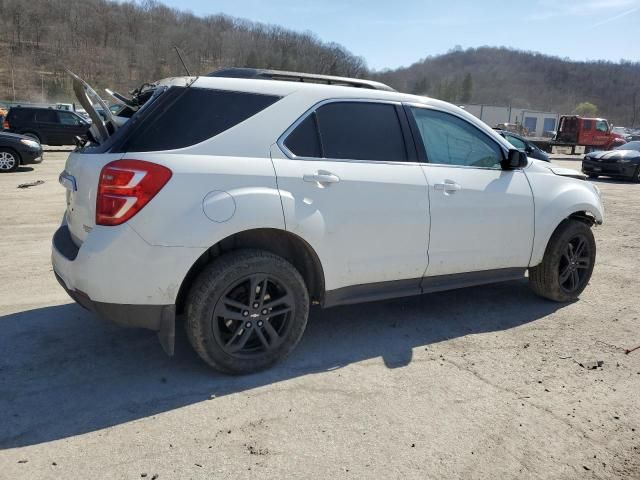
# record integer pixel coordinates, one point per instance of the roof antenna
(180, 57)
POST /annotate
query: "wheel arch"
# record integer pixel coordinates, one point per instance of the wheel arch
(285, 244)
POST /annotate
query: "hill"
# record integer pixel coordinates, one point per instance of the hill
(122, 44)
(502, 76)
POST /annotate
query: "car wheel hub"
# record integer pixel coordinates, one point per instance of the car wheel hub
(7, 161)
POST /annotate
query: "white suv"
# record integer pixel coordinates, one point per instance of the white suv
(238, 202)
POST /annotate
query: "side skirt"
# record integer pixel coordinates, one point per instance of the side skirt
(370, 292)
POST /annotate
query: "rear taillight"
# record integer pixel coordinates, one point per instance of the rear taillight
(125, 187)
(6, 125)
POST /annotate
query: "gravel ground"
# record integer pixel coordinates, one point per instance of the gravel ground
(475, 383)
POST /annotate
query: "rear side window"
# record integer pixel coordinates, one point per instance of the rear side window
(361, 131)
(48, 116)
(304, 140)
(191, 115)
(20, 115)
(350, 131)
(588, 125)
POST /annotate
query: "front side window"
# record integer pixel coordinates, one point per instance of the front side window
(351, 131)
(602, 126)
(67, 118)
(516, 142)
(449, 140)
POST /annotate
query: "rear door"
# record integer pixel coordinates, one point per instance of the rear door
(351, 188)
(481, 216)
(48, 126)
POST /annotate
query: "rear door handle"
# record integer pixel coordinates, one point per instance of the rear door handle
(449, 186)
(321, 176)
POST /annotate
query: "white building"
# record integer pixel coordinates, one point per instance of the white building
(535, 121)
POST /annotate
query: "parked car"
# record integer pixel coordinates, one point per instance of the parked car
(240, 202)
(525, 145)
(46, 125)
(622, 161)
(16, 150)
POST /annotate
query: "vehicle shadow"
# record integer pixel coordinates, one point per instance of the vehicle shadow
(24, 169)
(64, 372)
(611, 180)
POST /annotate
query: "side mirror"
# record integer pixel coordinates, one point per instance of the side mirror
(515, 159)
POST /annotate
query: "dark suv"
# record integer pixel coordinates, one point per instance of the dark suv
(46, 125)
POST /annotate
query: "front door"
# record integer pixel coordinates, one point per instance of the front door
(349, 188)
(481, 216)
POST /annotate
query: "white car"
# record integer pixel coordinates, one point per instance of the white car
(238, 202)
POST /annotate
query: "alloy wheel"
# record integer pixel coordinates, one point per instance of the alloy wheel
(253, 316)
(575, 263)
(7, 161)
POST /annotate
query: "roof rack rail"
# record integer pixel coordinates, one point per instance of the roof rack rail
(258, 73)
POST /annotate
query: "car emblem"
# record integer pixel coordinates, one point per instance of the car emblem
(254, 315)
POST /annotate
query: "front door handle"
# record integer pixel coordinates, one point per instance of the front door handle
(322, 177)
(449, 186)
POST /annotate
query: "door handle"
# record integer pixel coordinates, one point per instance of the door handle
(321, 176)
(449, 186)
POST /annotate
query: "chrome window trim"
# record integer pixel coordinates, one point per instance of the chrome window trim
(292, 156)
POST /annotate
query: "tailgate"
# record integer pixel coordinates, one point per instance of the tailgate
(80, 179)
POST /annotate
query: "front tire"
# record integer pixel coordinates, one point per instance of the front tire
(246, 311)
(567, 264)
(9, 160)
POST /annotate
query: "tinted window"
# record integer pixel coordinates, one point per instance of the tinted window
(587, 125)
(361, 131)
(191, 115)
(516, 142)
(48, 116)
(449, 140)
(303, 141)
(67, 118)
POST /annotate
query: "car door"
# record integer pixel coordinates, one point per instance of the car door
(350, 186)
(47, 124)
(481, 215)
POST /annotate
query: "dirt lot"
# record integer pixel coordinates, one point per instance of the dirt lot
(476, 383)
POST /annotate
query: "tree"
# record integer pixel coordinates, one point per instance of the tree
(586, 109)
(467, 89)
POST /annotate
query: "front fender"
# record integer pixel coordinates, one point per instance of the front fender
(557, 198)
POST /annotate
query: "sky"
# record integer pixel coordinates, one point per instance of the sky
(390, 34)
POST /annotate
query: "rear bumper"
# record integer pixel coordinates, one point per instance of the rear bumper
(122, 278)
(612, 169)
(159, 318)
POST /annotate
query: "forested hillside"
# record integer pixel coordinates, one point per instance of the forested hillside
(122, 44)
(502, 76)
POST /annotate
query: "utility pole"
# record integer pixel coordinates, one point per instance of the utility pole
(42, 86)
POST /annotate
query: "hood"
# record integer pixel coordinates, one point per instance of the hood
(567, 172)
(14, 136)
(545, 167)
(614, 155)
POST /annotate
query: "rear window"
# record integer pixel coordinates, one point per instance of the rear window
(188, 116)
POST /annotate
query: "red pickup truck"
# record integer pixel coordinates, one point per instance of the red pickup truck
(577, 135)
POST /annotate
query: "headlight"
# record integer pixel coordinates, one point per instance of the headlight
(30, 143)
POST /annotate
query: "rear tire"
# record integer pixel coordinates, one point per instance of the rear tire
(567, 264)
(246, 311)
(636, 178)
(9, 160)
